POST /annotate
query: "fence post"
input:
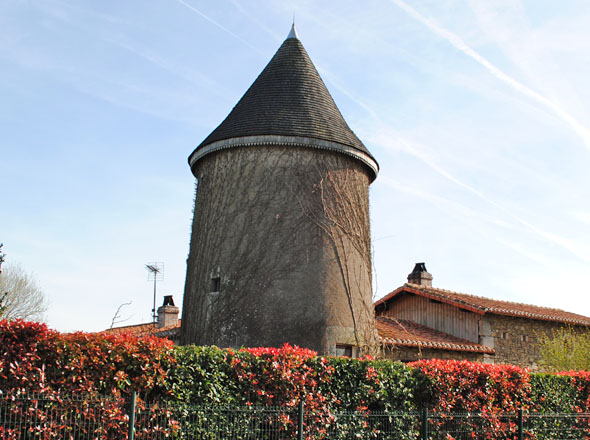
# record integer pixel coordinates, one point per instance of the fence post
(520, 425)
(300, 421)
(132, 416)
(424, 434)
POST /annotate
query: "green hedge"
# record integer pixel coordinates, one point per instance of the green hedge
(34, 359)
(270, 376)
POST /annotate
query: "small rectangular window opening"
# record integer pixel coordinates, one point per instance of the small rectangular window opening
(344, 350)
(504, 335)
(215, 284)
(525, 338)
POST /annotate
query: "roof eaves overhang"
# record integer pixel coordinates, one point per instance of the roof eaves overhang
(284, 141)
(537, 316)
(438, 345)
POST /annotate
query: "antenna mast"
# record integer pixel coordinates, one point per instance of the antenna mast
(156, 272)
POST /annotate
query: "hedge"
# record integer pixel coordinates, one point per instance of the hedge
(34, 359)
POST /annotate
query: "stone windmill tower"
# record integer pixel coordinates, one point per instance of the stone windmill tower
(280, 246)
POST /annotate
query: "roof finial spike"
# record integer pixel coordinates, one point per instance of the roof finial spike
(293, 33)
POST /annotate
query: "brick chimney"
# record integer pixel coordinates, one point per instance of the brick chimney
(167, 313)
(420, 276)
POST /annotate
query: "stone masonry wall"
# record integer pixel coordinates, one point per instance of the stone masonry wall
(267, 263)
(516, 340)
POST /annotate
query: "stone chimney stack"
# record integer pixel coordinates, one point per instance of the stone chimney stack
(420, 276)
(167, 313)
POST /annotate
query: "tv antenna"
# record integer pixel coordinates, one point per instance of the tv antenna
(156, 273)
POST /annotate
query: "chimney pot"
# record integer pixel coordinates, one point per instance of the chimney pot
(420, 276)
(168, 313)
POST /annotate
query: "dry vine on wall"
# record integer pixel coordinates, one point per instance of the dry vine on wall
(340, 209)
(274, 227)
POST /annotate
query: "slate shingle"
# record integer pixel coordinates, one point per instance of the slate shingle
(288, 98)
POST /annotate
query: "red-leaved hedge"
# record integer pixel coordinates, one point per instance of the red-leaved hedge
(34, 359)
(83, 378)
(462, 386)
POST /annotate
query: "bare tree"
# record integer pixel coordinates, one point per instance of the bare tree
(2, 257)
(3, 294)
(21, 298)
(117, 318)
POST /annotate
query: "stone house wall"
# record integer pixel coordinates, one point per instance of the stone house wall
(516, 340)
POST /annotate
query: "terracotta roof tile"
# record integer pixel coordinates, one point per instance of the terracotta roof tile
(405, 333)
(147, 329)
(170, 332)
(482, 305)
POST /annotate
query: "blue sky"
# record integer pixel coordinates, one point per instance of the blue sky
(478, 113)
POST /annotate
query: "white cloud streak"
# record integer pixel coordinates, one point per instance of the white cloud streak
(392, 140)
(463, 47)
(220, 26)
(465, 213)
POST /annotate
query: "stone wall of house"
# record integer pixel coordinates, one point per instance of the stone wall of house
(409, 354)
(516, 340)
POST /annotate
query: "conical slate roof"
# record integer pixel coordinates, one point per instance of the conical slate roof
(289, 99)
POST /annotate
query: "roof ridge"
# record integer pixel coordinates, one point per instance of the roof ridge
(430, 288)
(419, 286)
(501, 306)
(130, 325)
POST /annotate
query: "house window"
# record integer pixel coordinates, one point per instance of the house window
(504, 335)
(344, 350)
(525, 338)
(215, 284)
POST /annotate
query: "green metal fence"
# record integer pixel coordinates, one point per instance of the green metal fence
(81, 418)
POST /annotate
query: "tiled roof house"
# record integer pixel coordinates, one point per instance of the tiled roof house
(417, 320)
(167, 326)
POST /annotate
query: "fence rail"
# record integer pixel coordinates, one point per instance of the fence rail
(81, 418)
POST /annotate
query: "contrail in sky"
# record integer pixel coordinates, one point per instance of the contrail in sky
(466, 211)
(460, 45)
(390, 138)
(220, 26)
